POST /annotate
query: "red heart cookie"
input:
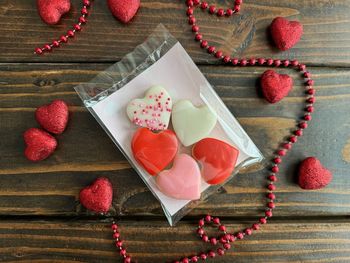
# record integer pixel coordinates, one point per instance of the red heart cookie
(217, 158)
(40, 144)
(285, 33)
(98, 196)
(275, 86)
(154, 151)
(124, 10)
(312, 175)
(53, 117)
(51, 10)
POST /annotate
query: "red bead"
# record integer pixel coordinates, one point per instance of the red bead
(275, 169)
(310, 109)
(248, 231)
(293, 139)
(271, 205)
(229, 12)
(116, 235)
(212, 9)
(281, 152)
(307, 74)
(271, 196)
(222, 228)
(203, 256)
(256, 226)
(271, 187)
(220, 251)
(82, 20)
(307, 117)
(261, 61)
(298, 132)
(303, 125)
(86, 2)
(286, 63)
(204, 5)
(194, 259)
(226, 59)
(235, 61)
(185, 260)
(295, 63)
(273, 178)
(216, 220)
(243, 62)
(201, 222)
(223, 240)
(208, 218)
(119, 243)
(84, 11)
(204, 44)
(114, 226)
(252, 61)
(277, 160)
(198, 37)
(211, 49)
(191, 20)
(263, 220)
(205, 238)
(38, 51)
(311, 100)
(237, 8)
(200, 231)
(189, 11)
(211, 254)
(47, 47)
(269, 62)
(311, 91)
(55, 43)
(218, 54)
(77, 27)
(189, 3)
(310, 82)
(302, 67)
(127, 259)
(123, 252)
(268, 213)
(287, 146)
(231, 238)
(195, 28)
(238, 2)
(277, 62)
(196, 2)
(64, 39)
(70, 33)
(240, 235)
(213, 241)
(221, 12)
(227, 246)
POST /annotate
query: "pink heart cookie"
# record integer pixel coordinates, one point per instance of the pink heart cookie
(183, 180)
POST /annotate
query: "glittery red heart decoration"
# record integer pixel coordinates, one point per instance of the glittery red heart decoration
(275, 86)
(217, 158)
(53, 117)
(312, 175)
(98, 196)
(40, 144)
(124, 10)
(51, 10)
(285, 33)
(154, 151)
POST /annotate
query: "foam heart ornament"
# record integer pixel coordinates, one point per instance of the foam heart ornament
(154, 151)
(53, 117)
(124, 10)
(275, 86)
(312, 174)
(190, 123)
(153, 111)
(39, 144)
(285, 33)
(51, 11)
(182, 181)
(98, 196)
(217, 159)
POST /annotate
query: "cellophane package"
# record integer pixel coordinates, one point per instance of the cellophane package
(168, 121)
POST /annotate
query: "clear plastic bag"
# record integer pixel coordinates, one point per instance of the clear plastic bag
(161, 60)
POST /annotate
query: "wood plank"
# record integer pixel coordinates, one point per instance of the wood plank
(85, 152)
(325, 41)
(90, 241)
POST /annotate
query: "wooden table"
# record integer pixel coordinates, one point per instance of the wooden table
(41, 220)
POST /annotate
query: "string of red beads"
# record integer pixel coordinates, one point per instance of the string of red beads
(70, 33)
(225, 239)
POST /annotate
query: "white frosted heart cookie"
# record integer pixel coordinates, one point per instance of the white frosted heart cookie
(191, 124)
(153, 111)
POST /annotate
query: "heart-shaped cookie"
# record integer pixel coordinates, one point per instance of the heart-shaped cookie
(154, 151)
(275, 86)
(153, 111)
(312, 174)
(98, 196)
(285, 33)
(51, 11)
(190, 123)
(217, 158)
(53, 117)
(40, 144)
(182, 181)
(124, 10)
